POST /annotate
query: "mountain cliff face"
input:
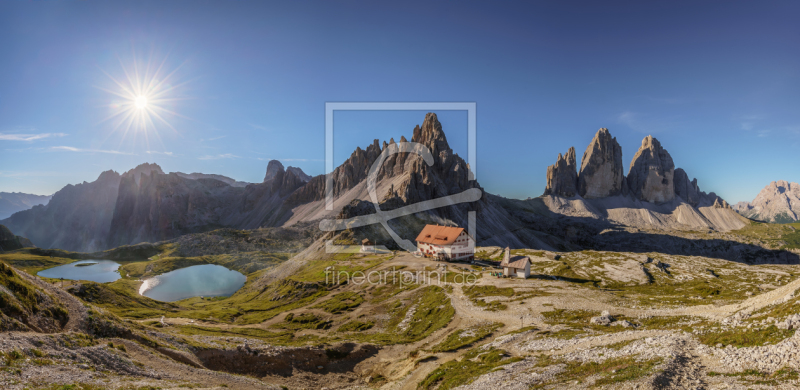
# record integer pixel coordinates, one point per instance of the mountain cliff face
(562, 177)
(78, 217)
(161, 207)
(11, 202)
(779, 202)
(145, 204)
(651, 174)
(601, 168)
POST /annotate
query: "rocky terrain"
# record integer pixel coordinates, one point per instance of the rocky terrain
(586, 319)
(11, 202)
(779, 202)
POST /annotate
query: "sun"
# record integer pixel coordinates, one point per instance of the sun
(143, 99)
(141, 102)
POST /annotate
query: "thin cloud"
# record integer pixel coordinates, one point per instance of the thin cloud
(28, 137)
(212, 139)
(162, 153)
(218, 156)
(81, 150)
(627, 118)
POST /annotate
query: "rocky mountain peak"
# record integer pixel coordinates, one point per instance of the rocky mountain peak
(432, 135)
(562, 177)
(140, 169)
(601, 167)
(778, 202)
(299, 173)
(274, 168)
(652, 172)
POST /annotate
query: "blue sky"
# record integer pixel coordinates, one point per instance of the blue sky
(718, 83)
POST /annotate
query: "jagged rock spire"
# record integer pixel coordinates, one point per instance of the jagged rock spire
(601, 167)
(562, 177)
(274, 168)
(652, 172)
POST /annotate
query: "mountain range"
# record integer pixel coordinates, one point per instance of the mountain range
(11, 202)
(778, 202)
(145, 204)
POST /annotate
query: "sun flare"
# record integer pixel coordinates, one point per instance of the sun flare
(141, 102)
(144, 101)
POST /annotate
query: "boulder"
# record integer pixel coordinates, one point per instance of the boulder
(562, 177)
(652, 173)
(623, 323)
(601, 167)
(604, 319)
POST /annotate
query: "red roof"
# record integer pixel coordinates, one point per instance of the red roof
(439, 235)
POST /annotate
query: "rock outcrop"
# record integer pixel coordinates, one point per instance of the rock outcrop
(652, 172)
(778, 202)
(274, 167)
(601, 168)
(562, 177)
(299, 173)
(449, 173)
(140, 169)
(685, 189)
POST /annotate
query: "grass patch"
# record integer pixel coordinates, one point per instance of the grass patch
(303, 321)
(431, 311)
(464, 337)
(122, 298)
(610, 371)
(746, 337)
(252, 306)
(31, 263)
(341, 302)
(490, 306)
(487, 291)
(763, 378)
(355, 326)
(457, 373)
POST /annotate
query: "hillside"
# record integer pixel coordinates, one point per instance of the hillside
(601, 318)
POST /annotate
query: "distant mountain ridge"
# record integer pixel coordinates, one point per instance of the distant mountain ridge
(145, 204)
(778, 202)
(11, 202)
